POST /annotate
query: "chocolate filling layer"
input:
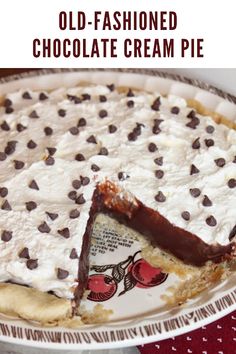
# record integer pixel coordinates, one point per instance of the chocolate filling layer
(181, 243)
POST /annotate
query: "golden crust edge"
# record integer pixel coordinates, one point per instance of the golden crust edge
(204, 111)
(33, 305)
(47, 310)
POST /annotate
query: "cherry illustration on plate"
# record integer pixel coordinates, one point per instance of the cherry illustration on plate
(102, 287)
(146, 275)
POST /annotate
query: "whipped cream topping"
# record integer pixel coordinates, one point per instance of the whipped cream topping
(55, 147)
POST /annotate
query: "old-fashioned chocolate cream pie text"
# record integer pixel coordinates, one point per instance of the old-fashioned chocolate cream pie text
(120, 36)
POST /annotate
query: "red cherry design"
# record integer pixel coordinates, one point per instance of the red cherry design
(138, 285)
(146, 275)
(102, 287)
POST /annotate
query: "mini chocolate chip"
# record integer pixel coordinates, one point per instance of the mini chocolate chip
(73, 254)
(76, 184)
(156, 104)
(141, 125)
(210, 129)
(7, 102)
(33, 185)
(102, 98)
(6, 205)
(157, 122)
(194, 122)
(103, 151)
(191, 114)
(122, 176)
(6, 236)
(74, 214)
(130, 93)
(44, 228)
(51, 150)
(159, 174)
(74, 99)
(112, 128)
(137, 130)
(92, 139)
(64, 232)
(111, 87)
(80, 199)
(195, 192)
(232, 233)
(18, 164)
(33, 114)
(86, 97)
(95, 168)
(130, 104)
(209, 142)
(3, 156)
(196, 144)
(175, 110)
(62, 273)
(156, 130)
(31, 145)
(152, 147)
(3, 192)
(24, 253)
(232, 183)
(4, 126)
(132, 136)
(26, 96)
(159, 161)
(32, 264)
(193, 170)
(160, 197)
(48, 131)
(103, 113)
(211, 221)
(185, 215)
(30, 205)
(84, 180)
(82, 122)
(11, 147)
(72, 195)
(74, 130)
(9, 110)
(61, 112)
(79, 157)
(206, 201)
(20, 127)
(52, 216)
(220, 162)
(49, 161)
(234, 160)
(43, 96)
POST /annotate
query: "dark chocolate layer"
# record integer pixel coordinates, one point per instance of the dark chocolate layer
(181, 243)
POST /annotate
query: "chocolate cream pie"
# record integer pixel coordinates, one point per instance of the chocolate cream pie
(151, 162)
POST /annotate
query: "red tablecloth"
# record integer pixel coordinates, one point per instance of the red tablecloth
(218, 337)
